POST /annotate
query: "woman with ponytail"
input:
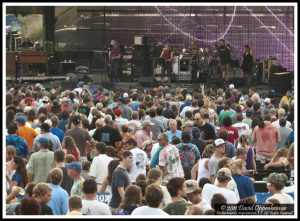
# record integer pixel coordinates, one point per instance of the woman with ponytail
(250, 162)
(20, 176)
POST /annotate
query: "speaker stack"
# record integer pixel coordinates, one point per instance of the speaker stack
(280, 79)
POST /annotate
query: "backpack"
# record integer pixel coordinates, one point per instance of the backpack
(188, 158)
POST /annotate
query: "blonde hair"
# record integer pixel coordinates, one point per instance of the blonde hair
(281, 152)
(11, 151)
(237, 166)
(41, 189)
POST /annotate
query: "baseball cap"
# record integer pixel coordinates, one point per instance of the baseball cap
(125, 95)
(74, 166)
(21, 119)
(191, 186)
(49, 122)
(224, 172)
(29, 99)
(118, 112)
(147, 123)
(267, 100)
(196, 132)
(27, 109)
(219, 142)
(162, 136)
(44, 142)
(242, 101)
(146, 143)
(231, 86)
(106, 93)
(126, 153)
(121, 99)
(45, 99)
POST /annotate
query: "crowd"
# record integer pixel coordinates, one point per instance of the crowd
(165, 151)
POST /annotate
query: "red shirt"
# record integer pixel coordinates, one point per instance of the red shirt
(233, 133)
(166, 54)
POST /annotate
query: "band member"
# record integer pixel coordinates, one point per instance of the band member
(27, 43)
(167, 55)
(213, 62)
(114, 61)
(247, 63)
(225, 56)
(194, 50)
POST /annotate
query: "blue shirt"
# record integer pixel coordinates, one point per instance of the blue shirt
(185, 104)
(56, 145)
(17, 177)
(171, 135)
(230, 150)
(62, 125)
(59, 202)
(58, 132)
(244, 185)
(19, 143)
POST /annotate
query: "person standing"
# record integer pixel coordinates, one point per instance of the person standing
(225, 57)
(114, 61)
(120, 180)
(80, 137)
(213, 62)
(100, 161)
(74, 171)
(59, 196)
(247, 63)
(41, 162)
(167, 55)
(169, 159)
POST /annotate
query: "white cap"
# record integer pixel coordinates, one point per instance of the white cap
(49, 122)
(125, 95)
(231, 86)
(242, 101)
(219, 142)
(267, 100)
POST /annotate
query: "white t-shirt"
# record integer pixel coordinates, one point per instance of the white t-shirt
(243, 129)
(276, 124)
(231, 185)
(139, 163)
(282, 198)
(209, 190)
(289, 189)
(94, 207)
(204, 205)
(202, 171)
(99, 167)
(146, 210)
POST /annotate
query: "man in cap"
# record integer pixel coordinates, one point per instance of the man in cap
(126, 112)
(27, 133)
(40, 163)
(223, 177)
(120, 179)
(145, 133)
(219, 152)
(169, 160)
(74, 171)
(55, 142)
(119, 119)
(193, 193)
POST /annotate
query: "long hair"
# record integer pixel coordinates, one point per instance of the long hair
(132, 197)
(69, 144)
(281, 152)
(243, 141)
(22, 170)
(111, 168)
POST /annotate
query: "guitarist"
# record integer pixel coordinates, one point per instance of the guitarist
(167, 55)
(214, 62)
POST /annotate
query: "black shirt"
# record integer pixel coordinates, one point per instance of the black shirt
(108, 135)
(45, 210)
(120, 178)
(247, 62)
(207, 132)
(199, 143)
(224, 54)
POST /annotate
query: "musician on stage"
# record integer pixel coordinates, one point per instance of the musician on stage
(193, 49)
(114, 61)
(247, 63)
(27, 43)
(167, 55)
(214, 62)
(225, 56)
